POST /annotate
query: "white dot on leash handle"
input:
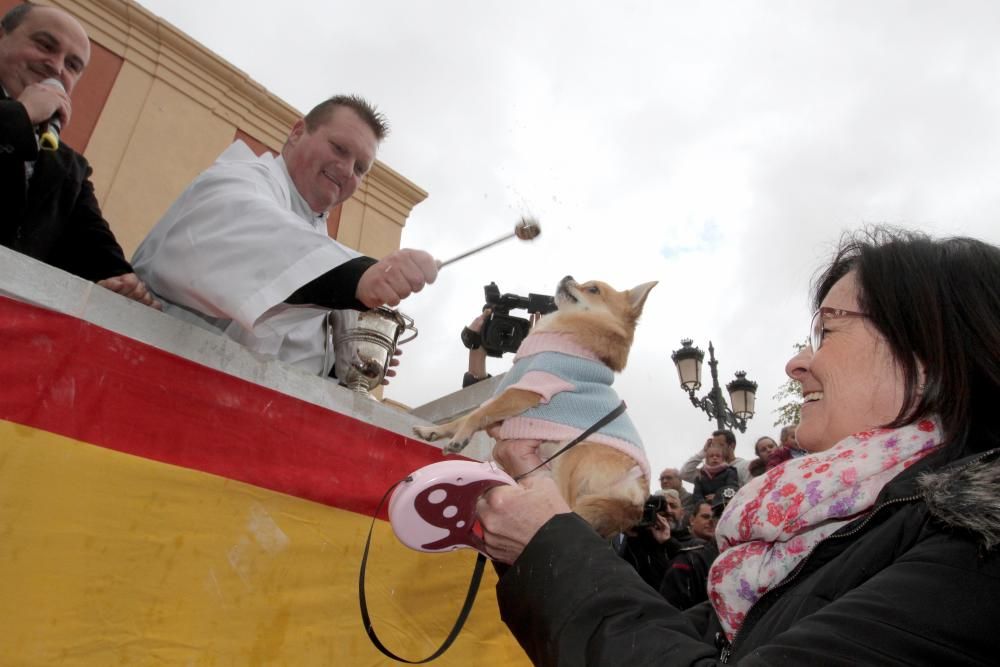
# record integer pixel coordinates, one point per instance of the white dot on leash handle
(526, 229)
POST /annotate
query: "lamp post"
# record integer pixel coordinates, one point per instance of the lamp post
(742, 392)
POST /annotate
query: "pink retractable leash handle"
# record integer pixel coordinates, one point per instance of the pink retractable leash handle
(440, 492)
(434, 509)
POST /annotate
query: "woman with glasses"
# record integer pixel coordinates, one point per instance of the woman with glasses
(879, 546)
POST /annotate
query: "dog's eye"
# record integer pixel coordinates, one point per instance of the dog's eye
(594, 290)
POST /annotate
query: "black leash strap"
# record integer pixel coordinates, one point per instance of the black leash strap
(477, 572)
(470, 596)
(598, 425)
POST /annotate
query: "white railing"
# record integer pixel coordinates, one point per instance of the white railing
(34, 282)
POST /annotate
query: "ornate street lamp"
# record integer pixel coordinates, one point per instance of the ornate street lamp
(688, 361)
(742, 395)
(742, 392)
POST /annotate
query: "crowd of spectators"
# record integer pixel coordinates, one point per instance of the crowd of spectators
(674, 546)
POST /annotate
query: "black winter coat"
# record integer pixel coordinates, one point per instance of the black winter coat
(56, 218)
(709, 486)
(685, 580)
(916, 582)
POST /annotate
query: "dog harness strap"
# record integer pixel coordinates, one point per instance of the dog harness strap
(470, 597)
(596, 426)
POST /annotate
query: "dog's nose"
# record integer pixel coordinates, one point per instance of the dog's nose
(568, 279)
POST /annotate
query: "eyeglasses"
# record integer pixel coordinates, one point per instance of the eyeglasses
(816, 329)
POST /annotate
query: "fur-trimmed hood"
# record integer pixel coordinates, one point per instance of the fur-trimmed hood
(967, 496)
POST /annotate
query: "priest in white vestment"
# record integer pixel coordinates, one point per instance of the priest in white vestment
(245, 251)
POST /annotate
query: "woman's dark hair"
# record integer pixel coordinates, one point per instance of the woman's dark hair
(937, 304)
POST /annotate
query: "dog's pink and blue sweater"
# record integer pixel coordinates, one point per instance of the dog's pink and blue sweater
(575, 387)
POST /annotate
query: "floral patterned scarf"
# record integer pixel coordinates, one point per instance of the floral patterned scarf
(777, 519)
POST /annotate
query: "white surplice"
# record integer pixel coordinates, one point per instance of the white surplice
(237, 243)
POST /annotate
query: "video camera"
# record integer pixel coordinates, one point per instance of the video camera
(503, 332)
(655, 504)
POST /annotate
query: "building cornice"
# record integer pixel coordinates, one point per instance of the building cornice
(162, 51)
(159, 49)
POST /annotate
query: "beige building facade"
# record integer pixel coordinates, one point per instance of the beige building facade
(155, 108)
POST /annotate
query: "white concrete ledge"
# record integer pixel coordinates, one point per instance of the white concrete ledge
(34, 282)
(458, 403)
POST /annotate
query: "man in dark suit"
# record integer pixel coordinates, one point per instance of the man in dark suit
(47, 205)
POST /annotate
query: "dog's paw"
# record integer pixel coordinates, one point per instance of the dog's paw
(455, 445)
(428, 433)
(460, 438)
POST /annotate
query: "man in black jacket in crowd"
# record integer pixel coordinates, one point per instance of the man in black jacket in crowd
(50, 211)
(651, 548)
(685, 581)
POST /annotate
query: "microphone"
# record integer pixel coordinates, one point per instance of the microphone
(48, 140)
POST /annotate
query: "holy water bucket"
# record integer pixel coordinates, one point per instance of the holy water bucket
(363, 350)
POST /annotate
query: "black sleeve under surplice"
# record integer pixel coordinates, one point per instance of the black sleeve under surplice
(336, 288)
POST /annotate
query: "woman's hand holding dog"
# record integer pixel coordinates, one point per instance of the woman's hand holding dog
(517, 457)
(511, 515)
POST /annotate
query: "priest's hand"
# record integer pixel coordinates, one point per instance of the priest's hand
(395, 277)
(129, 286)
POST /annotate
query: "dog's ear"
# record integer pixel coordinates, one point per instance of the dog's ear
(637, 296)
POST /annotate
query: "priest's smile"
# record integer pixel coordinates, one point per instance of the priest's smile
(331, 177)
(339, 149)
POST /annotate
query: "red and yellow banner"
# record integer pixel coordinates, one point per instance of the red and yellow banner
(157, 512)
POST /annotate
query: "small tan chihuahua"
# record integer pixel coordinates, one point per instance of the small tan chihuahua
(559, 385)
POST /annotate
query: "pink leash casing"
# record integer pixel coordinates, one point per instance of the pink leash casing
(434, 510)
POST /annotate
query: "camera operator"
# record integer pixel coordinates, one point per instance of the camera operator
(477, 355)
(686, 579)
(659, 536)
(495, 331)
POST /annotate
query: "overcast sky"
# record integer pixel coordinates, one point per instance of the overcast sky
(720, 148)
